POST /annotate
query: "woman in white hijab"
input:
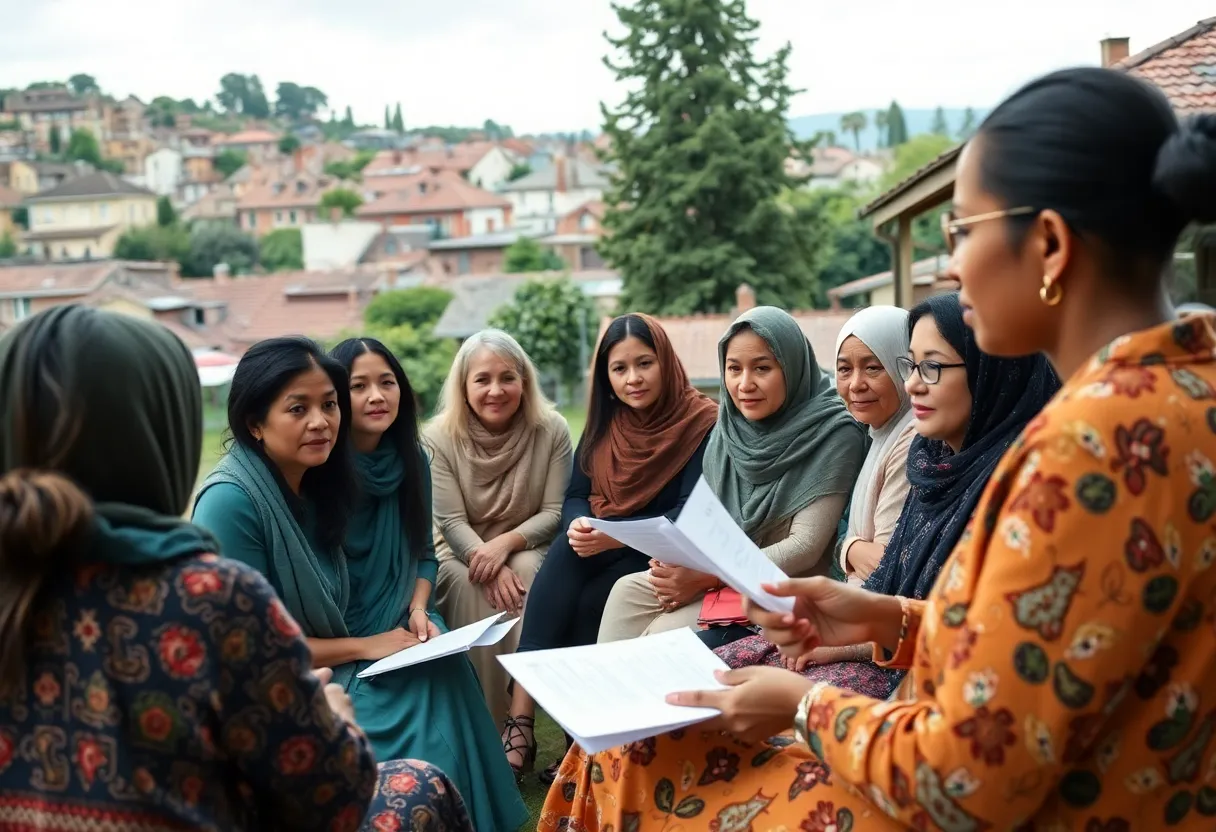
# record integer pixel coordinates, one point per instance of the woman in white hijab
(870, 385)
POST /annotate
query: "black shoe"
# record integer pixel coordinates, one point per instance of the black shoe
(519, 737)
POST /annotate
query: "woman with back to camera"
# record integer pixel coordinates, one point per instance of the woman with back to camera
(501, 463)
(144, 682)
(968, 407)
(782, 459)
(639, 456)
(281, 501)
(1062, 664)
(432, 710)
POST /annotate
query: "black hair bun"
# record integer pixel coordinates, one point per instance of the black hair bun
(1186, 168)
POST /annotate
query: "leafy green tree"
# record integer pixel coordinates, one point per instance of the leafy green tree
(344, 199)
(418, 307)
(700, 145)
(243, 95)
(229, 162)
(854, 123)
(518, 171)
(83, 84)
(398, 121)
(555, 322)
(21, 217)
(298, 103)
(897, 125)
(941, 127)
(349, 119)
(154, 242)
(967, 129)
(8, 247)
(162, 111)
(846, 247)
(282, 250)
(214, 244)
(288, 144)
(56, 141)
(165, 213)
(527, 255)
(83, 147)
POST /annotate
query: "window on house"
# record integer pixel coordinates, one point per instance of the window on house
(200, 317)
(104, 211)
(251, 220)
(292, 217)
(551, 202)
(278, 217)
(21, 308)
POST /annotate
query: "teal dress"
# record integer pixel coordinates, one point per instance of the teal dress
(434, 711)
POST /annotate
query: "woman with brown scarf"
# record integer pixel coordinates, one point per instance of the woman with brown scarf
(500, 465)
(640, 456)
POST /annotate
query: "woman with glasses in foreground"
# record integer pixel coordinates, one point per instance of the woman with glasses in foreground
(1063, 669)
(967, 408)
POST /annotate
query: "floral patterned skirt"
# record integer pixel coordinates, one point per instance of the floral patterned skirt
(413, 795)
(865, 678)
(704, 780)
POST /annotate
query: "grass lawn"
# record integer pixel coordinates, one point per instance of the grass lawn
(550, 741)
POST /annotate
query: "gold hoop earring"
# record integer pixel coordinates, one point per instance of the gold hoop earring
(1051, 292)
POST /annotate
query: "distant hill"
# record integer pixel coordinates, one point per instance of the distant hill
(918, 121)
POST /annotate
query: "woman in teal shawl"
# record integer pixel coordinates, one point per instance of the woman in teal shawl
(145, 682)
(282, 500)
(391, 559)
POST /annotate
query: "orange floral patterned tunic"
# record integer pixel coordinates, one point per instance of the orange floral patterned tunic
(1064, 664)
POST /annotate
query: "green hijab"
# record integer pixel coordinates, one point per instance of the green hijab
(114, 403)
(765, 472)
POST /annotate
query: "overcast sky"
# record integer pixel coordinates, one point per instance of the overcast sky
(535, 64)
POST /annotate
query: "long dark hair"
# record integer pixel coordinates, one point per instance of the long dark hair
(415, 514)
(1106, 151)
(260, 377)
(603, 402)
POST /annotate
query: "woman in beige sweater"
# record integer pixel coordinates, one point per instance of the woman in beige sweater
(500, 466)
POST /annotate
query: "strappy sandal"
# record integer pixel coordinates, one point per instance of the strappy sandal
(519, 737)
(550, 773)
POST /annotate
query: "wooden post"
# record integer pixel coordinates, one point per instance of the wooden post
(902, 267)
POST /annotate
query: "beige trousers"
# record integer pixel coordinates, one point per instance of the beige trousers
(462, 602)
(633, 610)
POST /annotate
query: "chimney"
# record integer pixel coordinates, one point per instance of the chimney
(559, 163)
(221, 272)
(1115, 50)
(745, 299)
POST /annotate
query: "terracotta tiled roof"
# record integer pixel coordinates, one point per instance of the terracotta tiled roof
(316, 304)
(218, 204)
(1183, 67)
(428, 192)
(247, 137)
(53, 279)
(458, 157)
(301, 191)
(695, 339)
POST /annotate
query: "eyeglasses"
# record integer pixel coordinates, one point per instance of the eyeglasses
(930, 371)
(952, 225)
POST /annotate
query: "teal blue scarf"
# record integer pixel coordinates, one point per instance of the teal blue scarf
(383, 570)
(312, 599)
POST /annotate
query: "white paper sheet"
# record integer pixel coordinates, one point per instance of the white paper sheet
(657, 537)
(478, 634)
(707, 524)
(605, 695)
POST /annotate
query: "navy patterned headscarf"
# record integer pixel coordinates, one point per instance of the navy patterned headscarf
(1006, 393)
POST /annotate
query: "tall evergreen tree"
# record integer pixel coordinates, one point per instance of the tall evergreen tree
(388, 120)
(349, 119)
(880, 122)
(398, 121)
(897, 127)
(967, 129)
(940, 127)
(700, 145)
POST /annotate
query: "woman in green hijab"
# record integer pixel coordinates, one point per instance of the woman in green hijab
(782, 458)
(145, 682)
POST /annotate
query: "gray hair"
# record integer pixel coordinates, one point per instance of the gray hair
(450, 412)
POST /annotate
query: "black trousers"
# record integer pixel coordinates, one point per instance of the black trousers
(569, 593)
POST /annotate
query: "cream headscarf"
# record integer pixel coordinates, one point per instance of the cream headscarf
(884, 330)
